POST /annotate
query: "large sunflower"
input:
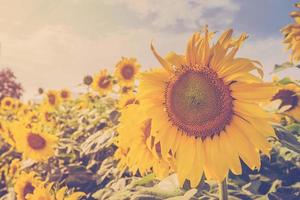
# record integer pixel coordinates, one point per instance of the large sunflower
(136, 148)
(25, 185)
(289, 95)
(291, 34)
(34, 143)
(102, 82)
(204, 108)
(126, 71)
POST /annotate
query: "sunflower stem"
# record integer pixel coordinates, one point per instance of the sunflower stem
(223, 192)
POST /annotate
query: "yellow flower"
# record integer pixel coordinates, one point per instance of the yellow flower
(61, 195)
(291, 34)
(289, 96)
(46, 115)
(14, 167)
(127, 99)
(126, 71)
(25, 185)
(65, 94)
(6, 131)
(204, 108)
(136, 148)
(33, 143)
(41, 193)
(52, 98)
(102, 83)
(7, 103)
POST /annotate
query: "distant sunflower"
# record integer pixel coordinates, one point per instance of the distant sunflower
(34, 144)
(14, 167)
(7, 103)
(136, 148)
(289, 95)
(126, 71)
(204, 108)
(65, 94)
(127, 99)
(63, 194)
(26, 184)
(52, 98)
(291, 33)
(102, 82)
(6, 132)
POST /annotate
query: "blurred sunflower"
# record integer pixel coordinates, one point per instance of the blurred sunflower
(40, 193)
(14, 167)
(289, 96)
(7, 103)
(6, 131)
(62, 194)
(46, 116)
(127, 99)
(126, 71)
(102, 82)
(65, 94)
(34, 143)
(204, 108)
(52, 99)
(136, 149)
(25, 184)
(291, 34)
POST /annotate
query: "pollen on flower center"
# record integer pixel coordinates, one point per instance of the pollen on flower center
(199, 103)
(287, 97)
(127, 72)
(36, 142)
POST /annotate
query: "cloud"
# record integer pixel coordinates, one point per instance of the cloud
(188, 14)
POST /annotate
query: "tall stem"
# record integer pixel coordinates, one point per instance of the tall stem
(223, 192)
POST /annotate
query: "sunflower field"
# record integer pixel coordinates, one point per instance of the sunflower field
(203, 125)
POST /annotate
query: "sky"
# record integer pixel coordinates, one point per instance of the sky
(53, 44)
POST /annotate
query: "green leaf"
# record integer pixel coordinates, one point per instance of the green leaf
(287, 139)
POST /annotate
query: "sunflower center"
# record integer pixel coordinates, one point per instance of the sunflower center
(28, 189)
(64, 94)
(127, 72)
(199, 103)
(51, 99)
(35, 141)
(7, 103)
(287, 98)
(103, 82)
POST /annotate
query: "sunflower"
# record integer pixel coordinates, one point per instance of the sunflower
(65, 94)
(7, 103)
(136, 148)
(289, 96)
(26, 184)
(6, 131)
(62, 194)
(14, 167)
(40, 193)
(126, 71)
(204, 108)
(52, 99)
(127, 99)
(291, 34)
(33, 143)
(102, 82)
